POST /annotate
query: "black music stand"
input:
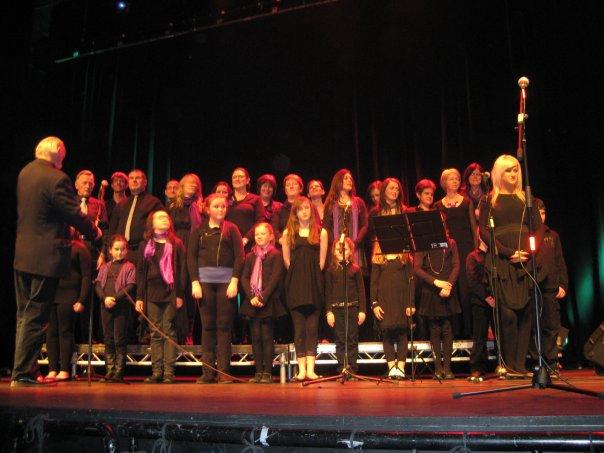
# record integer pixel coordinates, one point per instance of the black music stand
(411, 232)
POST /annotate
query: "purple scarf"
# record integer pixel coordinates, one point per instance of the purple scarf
(256, 278)
(165, 262)
(355, 223)
(126, 276)
(194, 213)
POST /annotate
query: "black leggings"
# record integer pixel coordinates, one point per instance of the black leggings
(398, 336)
(515, 335)
(441, 329)
(262, 343)
(306, 330)
(59, 337)
(217, 314)
(115, 324)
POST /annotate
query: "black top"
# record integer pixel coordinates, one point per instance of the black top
(151, 286)
(362, 222)
(553, 272)
(181, 220)
(461, 224)
(145, 204)
(336, 293)
(438, 264)
(115, 267)
(511, 220)
(272, 277)
(214, 247)
(245, 214)
(279, 220)
(478, 282)
(46, 206)
(271, 209)
(75, 287)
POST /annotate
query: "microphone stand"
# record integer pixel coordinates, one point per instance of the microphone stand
(89, 370)
(346, 374)
(541, 378)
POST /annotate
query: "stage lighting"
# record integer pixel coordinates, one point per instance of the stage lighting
(122, 6)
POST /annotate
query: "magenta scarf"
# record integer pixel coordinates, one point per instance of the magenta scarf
(165, 262)
(194, 213)
(256, 278)
(126, 276)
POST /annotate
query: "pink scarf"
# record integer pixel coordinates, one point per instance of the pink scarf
(165, 262)
(256, 278)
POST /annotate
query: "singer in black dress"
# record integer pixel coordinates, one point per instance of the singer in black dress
(460, 219)
(507, 236)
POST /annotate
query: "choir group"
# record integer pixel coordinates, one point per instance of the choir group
(235, 255)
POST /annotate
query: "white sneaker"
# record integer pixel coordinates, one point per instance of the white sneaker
(400, 373)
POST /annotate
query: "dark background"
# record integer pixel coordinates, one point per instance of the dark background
(385, 88)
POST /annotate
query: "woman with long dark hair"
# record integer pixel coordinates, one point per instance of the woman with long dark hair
(474, 185)
(304, 253)
(345, 213)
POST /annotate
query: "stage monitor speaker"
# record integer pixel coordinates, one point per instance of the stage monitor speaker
(594, 347)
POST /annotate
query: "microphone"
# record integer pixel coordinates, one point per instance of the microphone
(104, 183)
(485, 175)
(523, 82)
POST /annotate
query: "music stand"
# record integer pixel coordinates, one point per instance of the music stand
(411, 232)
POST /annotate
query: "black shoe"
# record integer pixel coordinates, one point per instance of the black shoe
(153, 379)
(257, 378)
(266, 378)
(225, 379)
(449, 375)
(206, 380)
(27, 381)
(169, 379)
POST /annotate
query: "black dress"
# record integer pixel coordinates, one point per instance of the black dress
(304, 280)
(440, 264)
(461, 224)
(392, 288)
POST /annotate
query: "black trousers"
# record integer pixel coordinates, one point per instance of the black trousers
(217, 316)
(163, 353)
(59, 337)
(262, 343)
(342, 344)
(441, 337)
(482, 317)
(550, 326)
(306, 330)
(515, 335)
(35, 296)
(115, 321)
(397, 336)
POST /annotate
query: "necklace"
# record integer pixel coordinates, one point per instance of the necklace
(442, 264)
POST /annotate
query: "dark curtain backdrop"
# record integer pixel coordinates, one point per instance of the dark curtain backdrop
(395, 88)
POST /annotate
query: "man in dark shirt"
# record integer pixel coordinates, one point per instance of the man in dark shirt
(129, 217)
(46, 206)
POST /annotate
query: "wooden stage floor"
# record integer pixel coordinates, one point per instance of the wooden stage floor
(424, 405)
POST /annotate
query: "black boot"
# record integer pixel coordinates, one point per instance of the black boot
(208, 376)
(156, 376)
(120, 366)
(110, 366)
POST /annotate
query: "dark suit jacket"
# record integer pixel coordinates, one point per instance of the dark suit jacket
(145, 204)
(46, 206)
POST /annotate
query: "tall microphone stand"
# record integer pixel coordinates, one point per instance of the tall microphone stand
(541, 378)
(346, 374)
(89, 370)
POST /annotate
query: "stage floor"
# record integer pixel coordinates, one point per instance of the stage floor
(424, 405)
